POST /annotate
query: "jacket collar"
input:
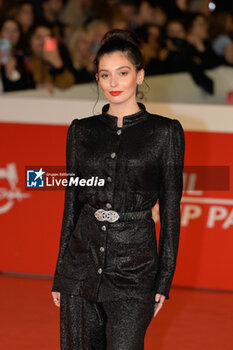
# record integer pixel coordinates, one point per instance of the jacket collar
(128, 120)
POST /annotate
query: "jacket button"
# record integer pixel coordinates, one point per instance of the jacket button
(102, 249)
(118, 132)
(113, 155)
(104, 228)
(100, 271)
(108, 205)
(109, 179)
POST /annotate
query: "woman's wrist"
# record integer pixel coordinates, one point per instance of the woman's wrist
(57, 63)
(14, 75)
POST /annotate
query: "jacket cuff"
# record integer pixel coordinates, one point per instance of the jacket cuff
(161, 291)
(163, 286)
(55, 286)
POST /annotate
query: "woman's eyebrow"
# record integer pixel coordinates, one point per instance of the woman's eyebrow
(106, 70)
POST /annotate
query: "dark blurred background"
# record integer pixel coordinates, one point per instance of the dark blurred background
(52, 43)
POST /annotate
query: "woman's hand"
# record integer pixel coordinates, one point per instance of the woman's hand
(163, 54)
(53, 57)
(10, 66)
(56, 298)
(159, 299)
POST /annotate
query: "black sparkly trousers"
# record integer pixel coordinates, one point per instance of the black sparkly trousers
(108, 325)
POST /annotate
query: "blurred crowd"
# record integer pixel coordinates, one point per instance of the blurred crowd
(52, 43)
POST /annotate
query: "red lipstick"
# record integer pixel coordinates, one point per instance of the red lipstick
(115, 93)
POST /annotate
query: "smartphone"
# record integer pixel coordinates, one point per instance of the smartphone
(50, 44)
(5, 51)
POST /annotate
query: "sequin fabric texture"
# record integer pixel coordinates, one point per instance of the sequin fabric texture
(142, 163)
(112, 325)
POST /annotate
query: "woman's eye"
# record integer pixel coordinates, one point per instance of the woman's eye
(104, 76)
(124, 73)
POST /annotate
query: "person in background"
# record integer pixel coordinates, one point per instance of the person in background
(175, 53)
(76, 12)
(65, 33)
(220, 32)
(14, 72)
(149, 13)
(150, 36)
(117, 20)
(97, 29)
(120, 16)
(145, 13)
(199, 45)
(51, 12)
(176, 56)
(48, 62)
(10, 29)
(24, 14)
(175, 8)
(80, 52)
(5, 8)
(200, 6)
(160, 16)
(127, 10)
(182, 5)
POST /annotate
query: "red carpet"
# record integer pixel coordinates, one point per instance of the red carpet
(190, 320)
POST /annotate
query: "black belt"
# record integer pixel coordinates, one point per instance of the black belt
(113, 216)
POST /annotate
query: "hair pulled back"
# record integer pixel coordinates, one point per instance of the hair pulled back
(121, 40)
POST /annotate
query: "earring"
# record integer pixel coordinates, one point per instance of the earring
(140, 83)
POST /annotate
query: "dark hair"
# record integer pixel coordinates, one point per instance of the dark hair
(12, 19)
(217, 24)
(143, 31)
(41, 24)
(191, 18)
(25, 2)
(181, 21)
(121, 40)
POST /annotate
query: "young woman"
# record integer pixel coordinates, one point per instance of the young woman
(24, 14)
(49, 67)
(80, 53)
(109, 279)
(13, 70)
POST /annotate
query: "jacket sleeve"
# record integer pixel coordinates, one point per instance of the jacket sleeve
(72, 206)
(170, 193)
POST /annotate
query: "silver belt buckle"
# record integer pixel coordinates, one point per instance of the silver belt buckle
(106, 215)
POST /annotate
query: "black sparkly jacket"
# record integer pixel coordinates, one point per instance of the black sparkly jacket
(142, 162)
